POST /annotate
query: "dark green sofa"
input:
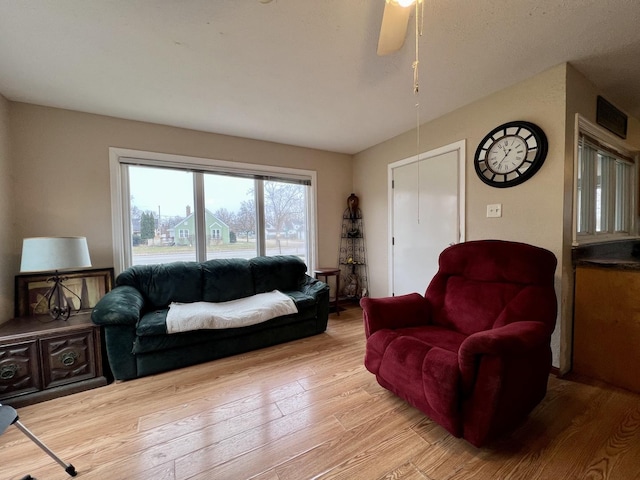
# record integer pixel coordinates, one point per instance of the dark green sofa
(133, 313)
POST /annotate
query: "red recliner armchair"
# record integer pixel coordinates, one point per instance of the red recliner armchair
(474, 352)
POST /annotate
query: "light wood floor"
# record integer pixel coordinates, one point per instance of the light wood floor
(309, 409)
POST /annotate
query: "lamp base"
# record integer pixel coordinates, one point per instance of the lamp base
(58, 303)
(58, 313)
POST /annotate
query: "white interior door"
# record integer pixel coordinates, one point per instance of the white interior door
(427, 215)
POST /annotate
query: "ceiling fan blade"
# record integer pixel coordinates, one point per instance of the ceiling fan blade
(393, 31)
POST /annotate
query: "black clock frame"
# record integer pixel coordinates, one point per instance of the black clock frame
(491, 138)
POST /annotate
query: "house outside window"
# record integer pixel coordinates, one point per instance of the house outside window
(209, 209)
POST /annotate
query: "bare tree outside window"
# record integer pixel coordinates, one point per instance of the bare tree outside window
(246, 219)
(284, 211)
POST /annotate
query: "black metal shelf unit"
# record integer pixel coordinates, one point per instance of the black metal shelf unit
(352, 258)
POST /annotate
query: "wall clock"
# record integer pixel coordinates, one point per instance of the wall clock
(511, 154)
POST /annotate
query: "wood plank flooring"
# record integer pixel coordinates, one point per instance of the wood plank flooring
(309, 409)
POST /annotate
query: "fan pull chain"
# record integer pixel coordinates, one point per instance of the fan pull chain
(419, 18)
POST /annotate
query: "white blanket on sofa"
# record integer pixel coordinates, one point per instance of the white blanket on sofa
(184, 317)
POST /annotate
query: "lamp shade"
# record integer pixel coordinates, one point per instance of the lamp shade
(43, 254)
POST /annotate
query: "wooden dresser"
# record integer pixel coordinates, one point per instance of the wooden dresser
(42, 358)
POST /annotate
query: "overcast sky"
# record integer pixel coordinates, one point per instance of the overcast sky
(172, 190)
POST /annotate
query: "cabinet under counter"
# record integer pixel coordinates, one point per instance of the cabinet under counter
(606, 329)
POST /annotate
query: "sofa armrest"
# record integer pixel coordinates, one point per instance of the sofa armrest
(120, 306)
(403, 311)
(514, 339)
(319, 291)
(313, 287)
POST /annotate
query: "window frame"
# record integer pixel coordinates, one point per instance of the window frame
(120, 158)
(624, 151)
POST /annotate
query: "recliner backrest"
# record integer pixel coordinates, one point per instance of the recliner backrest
(485, 284)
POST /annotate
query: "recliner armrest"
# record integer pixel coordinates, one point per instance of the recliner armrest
(513, 339)
(403, 311)
(120, 306)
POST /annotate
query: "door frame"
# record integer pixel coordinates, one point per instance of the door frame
(460, 148)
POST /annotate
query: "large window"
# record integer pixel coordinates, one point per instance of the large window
(606, 190)
(170, 208)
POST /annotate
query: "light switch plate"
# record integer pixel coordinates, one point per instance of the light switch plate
(494, 210)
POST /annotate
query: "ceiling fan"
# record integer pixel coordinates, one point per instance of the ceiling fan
(395, 21)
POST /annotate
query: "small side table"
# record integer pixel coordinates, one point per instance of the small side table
(330, 272)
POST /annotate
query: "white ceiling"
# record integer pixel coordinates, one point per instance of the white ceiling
(302, 72)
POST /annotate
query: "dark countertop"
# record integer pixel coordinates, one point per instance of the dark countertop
(620, 255)
(612, 263)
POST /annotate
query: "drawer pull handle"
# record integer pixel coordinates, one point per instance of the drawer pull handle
(7, 372)
(69, 358)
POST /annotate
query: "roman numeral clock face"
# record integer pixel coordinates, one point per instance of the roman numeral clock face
(510, 154)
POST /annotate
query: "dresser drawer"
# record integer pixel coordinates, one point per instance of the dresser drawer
(68, 358)
(41, 359)
(19, 369)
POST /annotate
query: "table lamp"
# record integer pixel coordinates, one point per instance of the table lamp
(53, 254)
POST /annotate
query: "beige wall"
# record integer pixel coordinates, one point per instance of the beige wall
(532, 212)
(7, 234)
(526, 208)
(61, 165)
(540, 211)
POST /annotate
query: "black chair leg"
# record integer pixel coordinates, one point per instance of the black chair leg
(70, 469)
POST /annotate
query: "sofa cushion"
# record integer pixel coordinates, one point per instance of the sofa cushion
(226, 279)
(165, 283)
(154, 343)
(155, 321)
(282, 272)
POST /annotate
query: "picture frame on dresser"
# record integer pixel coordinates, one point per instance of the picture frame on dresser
(89, 285)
